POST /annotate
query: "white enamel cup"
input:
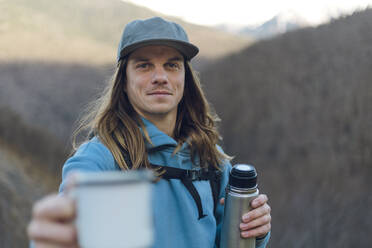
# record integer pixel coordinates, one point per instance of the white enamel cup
(113, 209)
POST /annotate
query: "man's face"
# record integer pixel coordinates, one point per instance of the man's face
(155, 81)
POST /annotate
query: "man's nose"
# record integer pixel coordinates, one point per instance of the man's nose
(159, 75)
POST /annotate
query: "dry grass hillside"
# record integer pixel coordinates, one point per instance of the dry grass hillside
(86, 31)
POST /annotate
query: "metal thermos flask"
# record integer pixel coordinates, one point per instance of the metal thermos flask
(240, 191)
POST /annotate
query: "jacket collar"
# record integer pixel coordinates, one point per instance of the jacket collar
(159, 138)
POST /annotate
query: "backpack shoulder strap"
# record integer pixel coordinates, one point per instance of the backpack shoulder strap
(213, 175)
(215, 183)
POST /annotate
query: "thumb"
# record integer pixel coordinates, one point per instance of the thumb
(71, 181)
(222, 201)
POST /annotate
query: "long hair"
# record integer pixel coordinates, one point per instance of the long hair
(117, 125)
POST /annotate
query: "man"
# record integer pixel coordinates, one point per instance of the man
(154, 112)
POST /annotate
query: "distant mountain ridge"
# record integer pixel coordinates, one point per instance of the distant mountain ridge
(279, 24)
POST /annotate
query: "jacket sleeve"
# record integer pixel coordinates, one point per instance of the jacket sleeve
(220, 208)
(261, 243)
(91, 156)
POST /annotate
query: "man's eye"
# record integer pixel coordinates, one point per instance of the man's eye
(173, 65)
(142, 66)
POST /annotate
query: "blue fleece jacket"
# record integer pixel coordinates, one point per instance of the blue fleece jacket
(175, 212)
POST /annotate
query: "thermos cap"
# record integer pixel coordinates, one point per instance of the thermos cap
(243, 176)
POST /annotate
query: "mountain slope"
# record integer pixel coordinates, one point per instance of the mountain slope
(30, 161)
(85, 31)
(18, 191)
(50, 96)
(299, 107)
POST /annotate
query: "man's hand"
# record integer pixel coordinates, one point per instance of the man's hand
(52, 221)
(257, 222)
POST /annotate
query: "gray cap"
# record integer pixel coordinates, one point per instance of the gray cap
(155, 31)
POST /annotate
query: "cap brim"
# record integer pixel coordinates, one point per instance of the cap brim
(187, 49)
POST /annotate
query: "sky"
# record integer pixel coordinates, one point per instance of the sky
(252, 13)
